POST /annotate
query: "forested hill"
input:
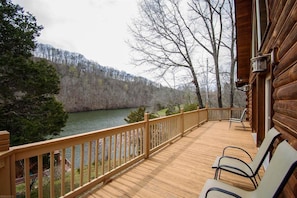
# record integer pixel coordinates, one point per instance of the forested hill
(86, 85)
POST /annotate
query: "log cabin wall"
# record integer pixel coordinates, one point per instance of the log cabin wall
(281, 36)
(284, 36)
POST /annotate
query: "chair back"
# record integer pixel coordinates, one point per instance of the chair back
(271, 135)
(281, 167)
(243, 114)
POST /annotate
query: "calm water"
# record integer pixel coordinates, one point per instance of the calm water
(83, 122)
(94, 120)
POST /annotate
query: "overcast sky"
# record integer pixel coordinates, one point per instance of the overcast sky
(97, 29)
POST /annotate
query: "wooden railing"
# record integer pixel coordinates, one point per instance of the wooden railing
(72, 165)
(224, 113)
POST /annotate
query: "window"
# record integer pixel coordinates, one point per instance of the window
(262, 20)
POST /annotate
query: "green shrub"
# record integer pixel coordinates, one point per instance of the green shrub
(190, 107)
(172, 109)
(138, 115)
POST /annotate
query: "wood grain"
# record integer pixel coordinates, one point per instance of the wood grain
(181, 169)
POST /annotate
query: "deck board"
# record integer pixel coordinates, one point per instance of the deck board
(181, 169)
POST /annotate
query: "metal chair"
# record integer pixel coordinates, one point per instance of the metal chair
(281, 167)
(240, 167)
(238, 120)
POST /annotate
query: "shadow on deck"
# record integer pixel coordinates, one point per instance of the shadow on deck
(181, 169)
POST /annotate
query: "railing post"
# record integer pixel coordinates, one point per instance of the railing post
(146, 136)
(198, 117)
(5, 181)
(182, 126)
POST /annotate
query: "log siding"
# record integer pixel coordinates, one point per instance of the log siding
(280, 35)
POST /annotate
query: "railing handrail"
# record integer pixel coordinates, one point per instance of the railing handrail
(98, 133)
(56, 143)
(157, 132)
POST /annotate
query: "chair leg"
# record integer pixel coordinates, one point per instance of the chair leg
(243, 125)
(254, 181)
(258, 177)
(217, 173)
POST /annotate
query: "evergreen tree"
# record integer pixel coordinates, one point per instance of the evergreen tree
(138, 115)
(28, 108)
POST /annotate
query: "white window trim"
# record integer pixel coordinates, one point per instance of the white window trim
(258, 21)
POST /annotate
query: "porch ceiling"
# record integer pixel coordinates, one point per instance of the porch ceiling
(243, 13)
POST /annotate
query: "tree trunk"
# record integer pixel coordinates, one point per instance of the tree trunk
(218, 82)
(232, 85)
(197, 87)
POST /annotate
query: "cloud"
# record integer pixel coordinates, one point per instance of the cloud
(97, 29)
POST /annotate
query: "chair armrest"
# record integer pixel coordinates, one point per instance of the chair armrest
(222, 191)
(236, 148)
(222, 166)
(234, 119)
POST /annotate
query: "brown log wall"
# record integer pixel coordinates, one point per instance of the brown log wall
(283, 35)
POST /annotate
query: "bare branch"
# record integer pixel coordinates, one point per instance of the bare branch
(162, 40)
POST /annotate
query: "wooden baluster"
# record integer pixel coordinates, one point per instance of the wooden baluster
(89, 161)
(40, 176)
(72, 168)
(52, 174)
(62, 172)
(96, 158)
(82, 157)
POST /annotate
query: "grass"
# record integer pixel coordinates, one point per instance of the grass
(20, 188)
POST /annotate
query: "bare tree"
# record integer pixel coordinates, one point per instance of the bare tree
(209, 35)
(163, 40)
(231, 39)
(167, 39)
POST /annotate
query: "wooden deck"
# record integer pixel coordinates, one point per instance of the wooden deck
(181, 169)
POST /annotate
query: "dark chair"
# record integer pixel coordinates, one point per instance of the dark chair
(240, 167)
(281, 167)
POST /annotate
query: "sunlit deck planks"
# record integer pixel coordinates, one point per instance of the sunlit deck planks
(181, 169)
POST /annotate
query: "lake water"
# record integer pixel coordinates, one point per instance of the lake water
(83, 122)
(94, 120)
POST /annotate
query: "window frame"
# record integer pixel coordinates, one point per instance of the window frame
(262, 27)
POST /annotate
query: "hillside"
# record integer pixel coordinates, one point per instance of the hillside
(86, 85)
